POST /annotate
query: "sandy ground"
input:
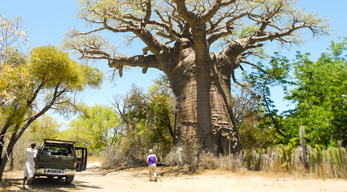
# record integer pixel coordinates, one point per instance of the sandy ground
(176, 180)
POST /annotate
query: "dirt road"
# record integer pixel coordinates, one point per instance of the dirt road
(176, 180)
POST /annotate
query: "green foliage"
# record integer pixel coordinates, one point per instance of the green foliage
(245, 110)
(16, 81)
(319, 159)
(335, 158)
(55, 66)
(147, 119)
(246, 31)
(96, 128)
(45, 127)
(14, 78)
(286, 157)
(93, 76)
(258, 163)
(268, 123)
(274, 74)
(249, 160)
(162, 105)
(319, 96)
(338, 48)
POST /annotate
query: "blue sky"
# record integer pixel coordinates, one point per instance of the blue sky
(47, 20)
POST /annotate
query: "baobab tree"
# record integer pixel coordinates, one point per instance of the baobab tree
(178, 37)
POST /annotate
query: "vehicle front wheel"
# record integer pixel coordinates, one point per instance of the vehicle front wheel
(69, 179)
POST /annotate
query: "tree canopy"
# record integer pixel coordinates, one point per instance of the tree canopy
(159, 23)
(11, 38)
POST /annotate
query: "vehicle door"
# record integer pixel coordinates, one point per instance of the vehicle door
(81, 154)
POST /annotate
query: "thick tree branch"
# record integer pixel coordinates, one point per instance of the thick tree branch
(48, 106)
(149, 61)
(274, 121)
(208, 14)
(167, 36)
(216, 36)
(36, 92)
(148, 11)
(184, 13)
(89, 32)
(168, 27)
(95, 52)
(154, 44)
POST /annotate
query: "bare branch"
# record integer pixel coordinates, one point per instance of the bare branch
(93, 57)
(96, 52)
(168, 27)
(251, 46)
(172, 38)
(214, 37)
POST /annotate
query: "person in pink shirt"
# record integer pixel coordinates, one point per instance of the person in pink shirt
(152, 164)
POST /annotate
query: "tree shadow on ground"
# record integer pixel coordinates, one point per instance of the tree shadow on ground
(45, 184)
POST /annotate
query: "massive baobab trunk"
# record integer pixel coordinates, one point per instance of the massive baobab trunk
(179, 35)
(203, 101)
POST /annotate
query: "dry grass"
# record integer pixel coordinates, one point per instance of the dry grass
(315, 162)
(92, 159)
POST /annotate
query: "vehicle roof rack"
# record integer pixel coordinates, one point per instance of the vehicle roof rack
(59, 141)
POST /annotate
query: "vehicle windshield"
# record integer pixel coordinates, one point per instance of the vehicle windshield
(57, 150)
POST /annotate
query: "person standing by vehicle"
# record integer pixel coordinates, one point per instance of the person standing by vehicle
(30, 165)
(179, 155)
(152, 164)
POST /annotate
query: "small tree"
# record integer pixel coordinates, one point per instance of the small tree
(319, 96)
(276, 73)
(161, 104)
(249, 112)
(44, 127)
(147, 118)
(97, 128)
(53, 73)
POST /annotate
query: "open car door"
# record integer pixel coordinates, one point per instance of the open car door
(81, 154)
